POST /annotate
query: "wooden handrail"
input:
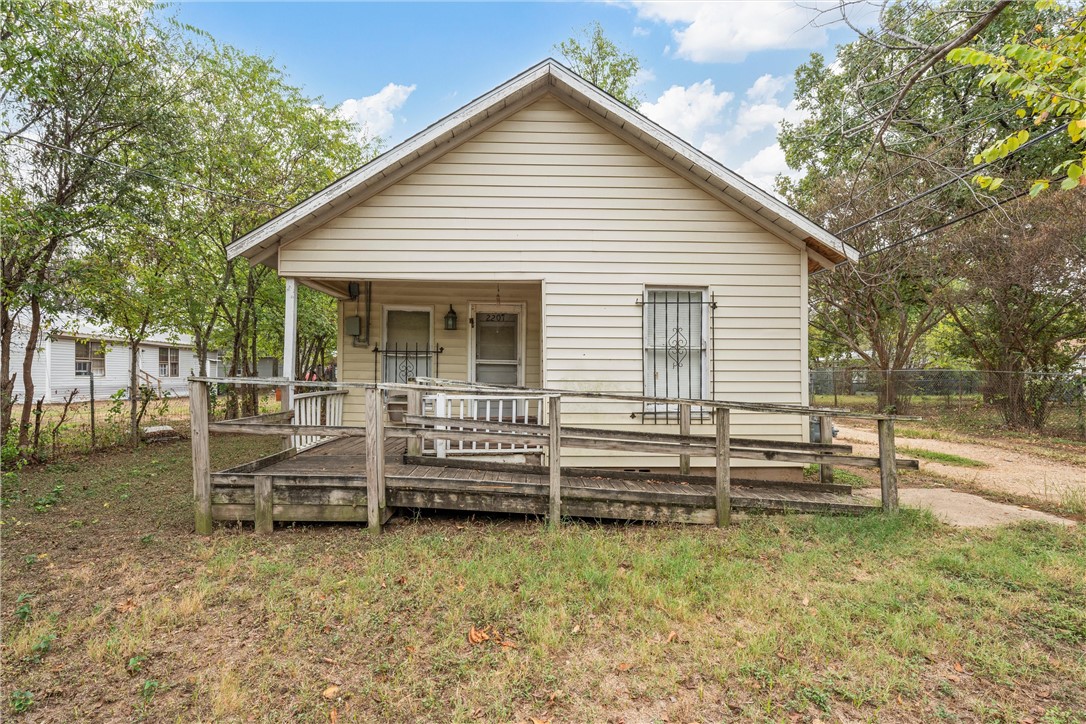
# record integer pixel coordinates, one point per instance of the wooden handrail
(418, 427)
(426, 384)
(320, 393)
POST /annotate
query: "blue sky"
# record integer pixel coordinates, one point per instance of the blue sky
(717, 74)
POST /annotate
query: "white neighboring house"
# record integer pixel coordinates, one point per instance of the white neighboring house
(72, 351)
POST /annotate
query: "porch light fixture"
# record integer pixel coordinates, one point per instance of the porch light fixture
(450, 319)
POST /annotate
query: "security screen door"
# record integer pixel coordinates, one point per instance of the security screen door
(497, 344)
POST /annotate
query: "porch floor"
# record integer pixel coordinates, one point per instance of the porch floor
(328, 483)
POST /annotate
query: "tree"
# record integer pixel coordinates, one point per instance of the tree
(1021, 306)
(1044, 66)
(890, 130)
(599, 61)
(119, 284)
(259, 146)
(89, 88)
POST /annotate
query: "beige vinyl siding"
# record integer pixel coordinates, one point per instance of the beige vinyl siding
(357, 363)
(548, 194)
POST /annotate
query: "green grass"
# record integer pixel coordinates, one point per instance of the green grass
(866, 618)
(941, 457)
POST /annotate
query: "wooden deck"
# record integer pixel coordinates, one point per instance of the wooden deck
(328, 483)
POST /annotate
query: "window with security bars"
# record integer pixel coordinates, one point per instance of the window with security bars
(675, 345)
(407, 353)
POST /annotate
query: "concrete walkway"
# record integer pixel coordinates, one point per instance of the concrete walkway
(966, 510)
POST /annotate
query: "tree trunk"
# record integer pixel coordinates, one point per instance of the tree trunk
(28, 371)
(7, 379)
(134, 392)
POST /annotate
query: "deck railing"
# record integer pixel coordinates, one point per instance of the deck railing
(324, 407)
(418, 429)
(483, 408)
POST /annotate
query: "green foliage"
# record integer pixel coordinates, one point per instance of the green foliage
(135, 663)
(21, 701)
(1044, 66)
(22, 608)
(596, 58)
(48, 500)
(149, 689)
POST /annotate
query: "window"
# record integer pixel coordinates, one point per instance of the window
(674, 337)
(169, 362)
(407, 352)
(90, 358)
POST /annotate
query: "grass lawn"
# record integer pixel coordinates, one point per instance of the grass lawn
(941, 457)
(112, 609)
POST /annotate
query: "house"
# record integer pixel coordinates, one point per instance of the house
(546, 235)
(74, 354)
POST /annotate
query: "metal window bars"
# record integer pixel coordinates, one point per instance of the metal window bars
(401, 363)
(677, 338)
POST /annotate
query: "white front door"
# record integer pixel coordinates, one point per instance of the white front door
(497, 344)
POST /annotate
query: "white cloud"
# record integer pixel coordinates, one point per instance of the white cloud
(640, 32)
(375, 114)
(767, 87)
(642, 77)
(760, 111)
(762, 169)
(709, 32)
(688, 112)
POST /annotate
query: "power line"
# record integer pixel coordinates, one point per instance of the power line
(925, 159)
(185, 184)
(933, 189)
(940, 227)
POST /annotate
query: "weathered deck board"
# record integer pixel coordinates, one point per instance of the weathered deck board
(328, 483)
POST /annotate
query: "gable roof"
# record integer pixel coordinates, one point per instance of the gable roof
(548, 76)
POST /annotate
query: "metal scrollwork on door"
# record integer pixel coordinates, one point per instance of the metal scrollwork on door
(678, 347)
(407, 369)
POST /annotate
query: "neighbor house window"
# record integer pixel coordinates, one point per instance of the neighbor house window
(90, 358)
(674, 341)
(169, 362)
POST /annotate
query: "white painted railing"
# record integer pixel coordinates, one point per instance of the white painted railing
(504, 408)
(317, 408)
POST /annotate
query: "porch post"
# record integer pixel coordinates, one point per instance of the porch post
(723, 467)
(290, 340)
(887, 465)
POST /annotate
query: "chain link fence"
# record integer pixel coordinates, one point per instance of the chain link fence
(1047, 403)
(81, 425)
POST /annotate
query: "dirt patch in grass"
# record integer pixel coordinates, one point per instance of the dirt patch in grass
(896, 618)
(1013, 469)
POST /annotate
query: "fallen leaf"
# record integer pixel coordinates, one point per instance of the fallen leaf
(477, 636)
(623, 667)
(508, 644)
(402, 580)
(672, 636)
(959, 668)
(126, 605)
(577, 628)
(333, 716)
(806, 601)
(328, 660)
(556, 695)
(331, 692)
(409, 649)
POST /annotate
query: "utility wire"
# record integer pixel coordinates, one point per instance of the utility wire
(924, 159)
(940, 227)
(943, 185)
(185, 184)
